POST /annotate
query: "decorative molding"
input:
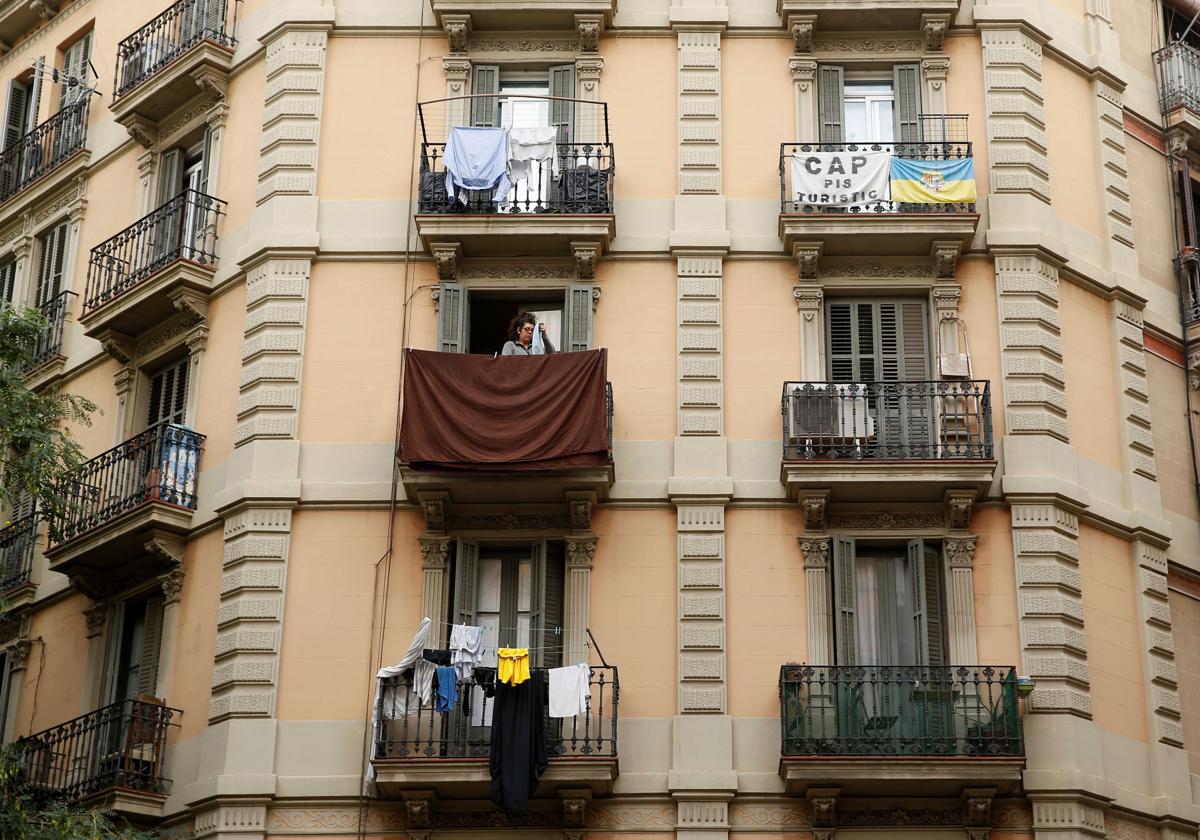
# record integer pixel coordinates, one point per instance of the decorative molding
(172, 585)
(815, 508)
(213, 83)
(899, 817)
(95, 617)
(872, 44)
(434, 506)
(167, 548)
(1016, 114)
(458, 31)
(119, 346)
(581, 552)
(185, 118)
(580, 505)
(1114, 164)
(886, 521)
(1137, 432)
(808, 258)
(524, 45)
(291, 112)
(699, 395)
(586, 255)
(699, 120)
(945, 258)
(509, 522)
(977, 812)
(960, 551)
(700, 573)
(1157, 643)
(875, 271)
(815, 551)
(802, 28)
(435, 552)
(143, 131)
(933, 32)
(512, 271)
(18, 654)
(589, 28)
(446, 256)
(823, 802)
(958, 509)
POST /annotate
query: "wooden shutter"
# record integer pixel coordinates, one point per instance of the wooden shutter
(844, 618)
(151, 647)
(877, 340)
(562, 113)
(35, 95)
(452, 318)
(112, 654)
(50, 276)
(466, 576)
(935, 608)
(916, 590)
(5, 693)
(831, 101)
(214, 18)
(170, 175)
(16, 113)
(8, 281)
(75, 66)
(579, 317)
(485, 79)
(552, 606)
(206, 162)
(906, 81)
(168, 394)
(538, 626)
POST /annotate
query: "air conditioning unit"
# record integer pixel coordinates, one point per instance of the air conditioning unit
(828, 411)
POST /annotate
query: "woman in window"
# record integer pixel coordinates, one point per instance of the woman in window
(520, 337)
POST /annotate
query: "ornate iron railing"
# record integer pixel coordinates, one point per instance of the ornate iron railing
(46, 147)
(49, 343)
(185, 228)
(899, 710)
(157, 465)
(943, 137)
(1188, 268)
(1178, 76)
(406, 729)
(117, 746)
(17, 541)
(903, 421)
(164, 39)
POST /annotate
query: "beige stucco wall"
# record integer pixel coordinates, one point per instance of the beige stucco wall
(757, 115)
(1089, 358)
(191, 662)
(237, 181)
(1185, 615)
(639, 85)
(216, 410)
(1153, 221)
(977, 309)
(997, 637)
(1176, 475)
(964, 95)
(53, 690)
(1073, 153)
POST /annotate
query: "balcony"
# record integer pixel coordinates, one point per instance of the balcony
(111, 759)
(1179, 88)
(875, 227)
(458, 437)
(887, 441)
(535, 15)
(170, 60)
(129, 510)
(565, 200)
(417, 748)
(872, 15)
(1187, 266)
(133, 277)
(47, 353)
(18, 540)
(50, 147)
(897, 730)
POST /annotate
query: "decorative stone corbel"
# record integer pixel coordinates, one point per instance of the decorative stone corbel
(18, 654)
(43, 8)
(193, 305)
(977, 812)
(933, 31)
(802, 28)
(167, 548)
(1177, 143)
(143, 131)
(118, 345)
(434, 505)
(945, 257)
(211, 82)
(823, 802)
(447, 256)
(458, 31)
(808, 257)
(96, 617)
(586, 255)
(815, 506)
(958, 509)
(589, 28)
(1193, 370)
(196, 338)
(419, 811)
(574, 812)
(172, 585)
(580, 504)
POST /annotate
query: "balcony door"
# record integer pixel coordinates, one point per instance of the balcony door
(476, 321)
(869, 107)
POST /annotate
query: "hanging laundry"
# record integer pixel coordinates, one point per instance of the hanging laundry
(395, 696)
(446, 691)
(485, 679)
(527, 146)
(513, 665)
(422, 680)
(518, 741)
(437, 657)
(569, 690)
(466, 649)
(477, 159)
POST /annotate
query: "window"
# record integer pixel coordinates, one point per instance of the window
(50, 270)
(168, 394)
(8, 281)
(476, 321)
(869, 107)
(131, 666)
(877, 340)
(76, 71)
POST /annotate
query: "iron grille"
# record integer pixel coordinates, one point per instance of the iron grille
(45, 148)
(17, 541)
(156, 45)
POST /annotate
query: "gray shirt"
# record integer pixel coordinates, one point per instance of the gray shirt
(513, 348)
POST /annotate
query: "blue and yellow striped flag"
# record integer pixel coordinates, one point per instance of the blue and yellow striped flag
(933, 181)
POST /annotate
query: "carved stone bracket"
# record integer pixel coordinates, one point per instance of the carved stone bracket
(458, 31)
(586, 255)
(945, 257)
(435, 552)
(18, 654)
(808, 256)
(589, 28)
(419, 813)
(815, 551)
(435, 507)
(211, 82)
(933, 31)
(165, 547)
(118, 345)
(193, 305)
(958, 509)
(802, 28)
(815, 507)
(1193, 370)
(960, 551)
(823, 802)
(977, 812)
(95, 616)
(580, 505)
(447, 256)
(1177, 143)
(143, 131)
(574, 807)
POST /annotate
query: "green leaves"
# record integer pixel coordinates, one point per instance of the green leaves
(37, 451)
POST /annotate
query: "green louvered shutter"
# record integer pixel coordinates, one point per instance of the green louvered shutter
(485, 84)
(831, 101)
(75, 65)
(552, 606)
(452, 318)
(844, 607)
(538, 626)
(935, 608)
(562, 109)
(466, 576)
(906, 80)
(916, 589)
(206, 163)
(8, 281)
(151, 647)
(170, 175)
(579, 317)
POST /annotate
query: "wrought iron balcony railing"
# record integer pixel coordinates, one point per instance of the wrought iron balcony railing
(887, 421)
(943, 137)
(577, 177)
(898, 710)
(46, 147)
(161, 41)
(49, 343)
(157, 465)
(17, 541)
(405, 729)
(1178, 77)
(1188, 268)
(117, 746)
(185, 228)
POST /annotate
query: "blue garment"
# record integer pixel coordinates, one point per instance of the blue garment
(447, 689)
(477, 159)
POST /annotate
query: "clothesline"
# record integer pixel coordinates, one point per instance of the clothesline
(558, 630)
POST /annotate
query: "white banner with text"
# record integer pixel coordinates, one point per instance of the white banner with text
(840, 179)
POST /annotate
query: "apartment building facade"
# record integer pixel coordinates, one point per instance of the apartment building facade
(895, 526)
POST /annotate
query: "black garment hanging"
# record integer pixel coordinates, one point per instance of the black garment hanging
(437, 657)
(518, 741)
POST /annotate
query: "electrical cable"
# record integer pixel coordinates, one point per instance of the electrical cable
(37, 685)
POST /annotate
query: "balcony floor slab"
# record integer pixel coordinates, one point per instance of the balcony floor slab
(163, 92)
(882, 776)
(148, 303)
(516, 234)
(469, 778)
(886, 481)
(876, 234)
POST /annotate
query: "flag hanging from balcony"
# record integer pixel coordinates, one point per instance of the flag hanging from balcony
(839, 179)
(933, 181)
(467, 413)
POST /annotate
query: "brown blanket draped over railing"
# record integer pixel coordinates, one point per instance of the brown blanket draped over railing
(510, 413)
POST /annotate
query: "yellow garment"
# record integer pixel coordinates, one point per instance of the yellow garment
(513, 665)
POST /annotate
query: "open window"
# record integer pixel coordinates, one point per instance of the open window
(869, 106)
(134, 642)
(476, 320)
(52, 250)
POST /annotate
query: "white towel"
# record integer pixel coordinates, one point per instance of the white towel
(423, 671)
(569, 690)
(466, 650)
(526, 145)
(395, 702)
